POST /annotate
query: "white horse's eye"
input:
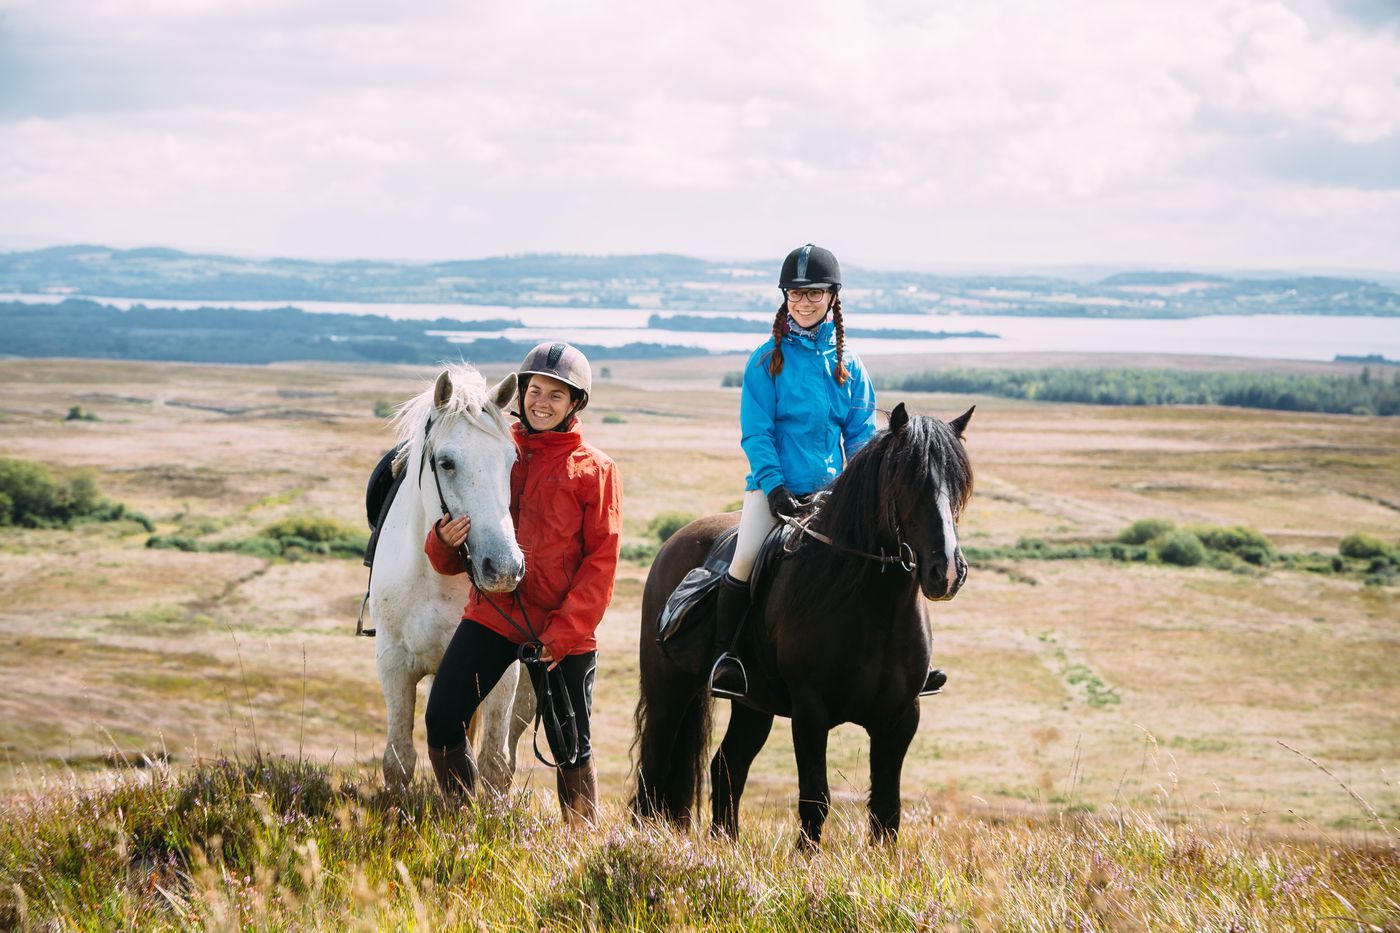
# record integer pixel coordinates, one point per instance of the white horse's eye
(445, 463)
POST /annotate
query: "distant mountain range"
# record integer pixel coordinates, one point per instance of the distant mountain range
(665, 281)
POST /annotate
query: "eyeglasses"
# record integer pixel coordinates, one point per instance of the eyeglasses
(805, 294)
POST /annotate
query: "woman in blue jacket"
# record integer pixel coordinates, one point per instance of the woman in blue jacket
(807, 407)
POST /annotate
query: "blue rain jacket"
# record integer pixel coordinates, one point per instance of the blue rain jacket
(800, 426)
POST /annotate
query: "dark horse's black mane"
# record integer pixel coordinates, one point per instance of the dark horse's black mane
(858, 508)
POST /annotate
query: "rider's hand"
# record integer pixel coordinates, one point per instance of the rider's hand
(453, 532)
(782, 503)
(548, 658)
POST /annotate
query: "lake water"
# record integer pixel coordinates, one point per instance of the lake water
(1301, 337)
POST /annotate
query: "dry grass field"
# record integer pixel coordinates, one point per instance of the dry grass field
(110, 651)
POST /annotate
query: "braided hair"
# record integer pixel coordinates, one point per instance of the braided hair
(780, 329)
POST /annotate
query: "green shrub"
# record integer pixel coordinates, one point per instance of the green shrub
(1144, 530)
(172, 543)
(307, 528)
(383, 409)
(1362, 547)
(614, 419)
(1181, 548)
(641, 553)
(255, 547)
(31, 490)
(668, 523)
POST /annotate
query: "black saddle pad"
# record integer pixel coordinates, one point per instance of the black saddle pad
(379, 495)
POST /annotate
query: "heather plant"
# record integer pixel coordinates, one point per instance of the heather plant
(274, 843)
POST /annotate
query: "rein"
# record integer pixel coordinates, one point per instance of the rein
(562, 723)
(904, 556)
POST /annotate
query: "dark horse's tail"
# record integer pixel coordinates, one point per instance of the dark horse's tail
(671, 756)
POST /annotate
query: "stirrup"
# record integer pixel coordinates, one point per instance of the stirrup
(933, 683)
(721, 691)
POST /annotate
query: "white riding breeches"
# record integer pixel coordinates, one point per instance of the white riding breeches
(754, 524)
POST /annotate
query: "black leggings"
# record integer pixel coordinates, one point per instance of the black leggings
(473, 663)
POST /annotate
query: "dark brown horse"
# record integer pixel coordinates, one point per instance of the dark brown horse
(840, 637)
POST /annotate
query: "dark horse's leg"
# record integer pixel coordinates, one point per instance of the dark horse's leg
(888, 745)
(809, 734)
(729, 770)
(675, 723)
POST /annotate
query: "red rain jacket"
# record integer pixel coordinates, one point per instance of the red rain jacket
(566, 502)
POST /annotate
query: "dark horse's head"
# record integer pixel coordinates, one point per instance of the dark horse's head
(913, 479)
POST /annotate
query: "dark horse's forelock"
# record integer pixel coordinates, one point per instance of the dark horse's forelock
(909, 465)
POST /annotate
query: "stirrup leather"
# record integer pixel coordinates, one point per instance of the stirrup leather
(721, 692)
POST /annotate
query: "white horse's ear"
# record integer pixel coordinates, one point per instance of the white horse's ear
(443, 390)
(959, 424)
(899, 417)
(503, 391)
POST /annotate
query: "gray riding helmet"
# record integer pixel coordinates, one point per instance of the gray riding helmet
(559, 361)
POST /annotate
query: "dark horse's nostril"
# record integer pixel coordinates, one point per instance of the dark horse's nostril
(488, 569)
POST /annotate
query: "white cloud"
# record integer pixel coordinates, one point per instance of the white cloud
(1001, 130)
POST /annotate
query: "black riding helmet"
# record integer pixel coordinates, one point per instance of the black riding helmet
(810, 267)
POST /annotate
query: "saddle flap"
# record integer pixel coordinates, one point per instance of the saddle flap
(694, 587)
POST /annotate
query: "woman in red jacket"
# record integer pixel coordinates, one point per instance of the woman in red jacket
(566, 501)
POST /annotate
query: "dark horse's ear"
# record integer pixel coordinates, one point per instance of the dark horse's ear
(959, 424)
(442, 391)
(899, 417)
(503, 391)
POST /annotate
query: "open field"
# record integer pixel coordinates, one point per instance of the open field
(108, 649)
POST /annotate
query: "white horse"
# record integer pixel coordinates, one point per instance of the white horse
(457, 424)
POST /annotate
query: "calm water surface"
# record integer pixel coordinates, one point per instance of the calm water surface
(1301, 337)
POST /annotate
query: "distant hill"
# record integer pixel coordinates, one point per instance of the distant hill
(666, 281)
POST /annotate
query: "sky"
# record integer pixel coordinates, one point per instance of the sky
(941, 134)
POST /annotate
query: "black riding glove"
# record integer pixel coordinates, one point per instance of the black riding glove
(782, 503)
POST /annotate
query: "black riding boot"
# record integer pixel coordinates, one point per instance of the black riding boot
(455, 769)
(933, 683)
(727, 677)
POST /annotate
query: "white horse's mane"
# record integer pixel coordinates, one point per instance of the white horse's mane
(469, 401)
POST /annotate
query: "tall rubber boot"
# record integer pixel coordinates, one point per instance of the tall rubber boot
(933, 683)
(455, 770)
(578, 793)
(728, 677)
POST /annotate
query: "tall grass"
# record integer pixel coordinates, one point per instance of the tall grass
(276, 844)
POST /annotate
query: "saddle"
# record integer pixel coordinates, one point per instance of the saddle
(384, 483)
(690, 610)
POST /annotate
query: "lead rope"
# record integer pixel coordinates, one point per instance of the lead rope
(527, 653)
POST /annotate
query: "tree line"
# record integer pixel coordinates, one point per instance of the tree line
(89, 330)
(1371, 392)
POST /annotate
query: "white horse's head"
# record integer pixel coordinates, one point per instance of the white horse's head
(462, 423)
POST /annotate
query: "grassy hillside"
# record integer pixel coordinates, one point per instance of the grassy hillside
(112, 652)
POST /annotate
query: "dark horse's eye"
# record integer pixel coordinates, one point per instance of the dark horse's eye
(445, 463)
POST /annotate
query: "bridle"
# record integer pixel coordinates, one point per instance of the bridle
(562, 721)
(904, 554)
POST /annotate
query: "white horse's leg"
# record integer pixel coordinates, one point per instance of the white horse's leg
(522, 714)
(400, 684)
(493, 721)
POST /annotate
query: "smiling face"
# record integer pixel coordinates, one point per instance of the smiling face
(547, 402)
(808, 306)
